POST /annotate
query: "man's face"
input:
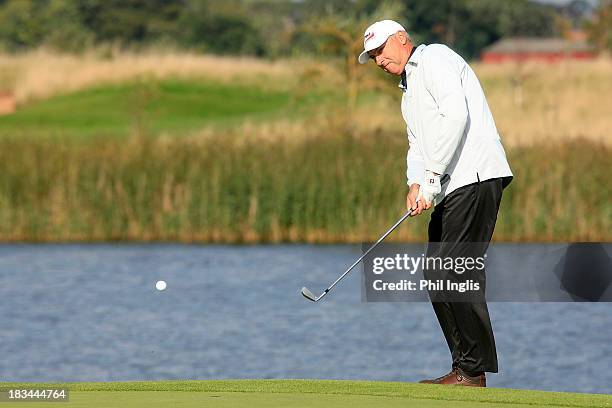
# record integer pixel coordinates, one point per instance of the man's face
(392, 55)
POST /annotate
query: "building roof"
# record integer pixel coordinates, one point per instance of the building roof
(536, 45)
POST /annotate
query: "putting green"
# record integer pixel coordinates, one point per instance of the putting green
(304, 393)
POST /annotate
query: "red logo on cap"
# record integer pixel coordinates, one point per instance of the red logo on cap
(368, 37)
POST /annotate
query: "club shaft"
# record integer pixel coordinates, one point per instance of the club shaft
(390, 230)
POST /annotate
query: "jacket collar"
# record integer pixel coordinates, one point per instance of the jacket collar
(411, 65)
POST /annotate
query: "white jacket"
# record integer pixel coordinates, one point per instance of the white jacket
(450, 126)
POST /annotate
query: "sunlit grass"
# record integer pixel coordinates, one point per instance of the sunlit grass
(301, 393)
(170, 105)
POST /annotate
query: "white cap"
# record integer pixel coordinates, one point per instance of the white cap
(375, 36)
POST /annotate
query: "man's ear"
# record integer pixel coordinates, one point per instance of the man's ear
(401, 36)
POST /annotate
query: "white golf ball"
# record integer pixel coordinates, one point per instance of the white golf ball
(160, 285)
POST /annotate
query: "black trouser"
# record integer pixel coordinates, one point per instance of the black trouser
(466, 215)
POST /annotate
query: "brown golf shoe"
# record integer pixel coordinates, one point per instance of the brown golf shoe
(458, 377)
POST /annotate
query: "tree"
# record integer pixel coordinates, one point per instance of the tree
(64, 29)
(222, 29)
(599, 30)
(21, 24)
(343, 35)
(470, 25)
(131, 21)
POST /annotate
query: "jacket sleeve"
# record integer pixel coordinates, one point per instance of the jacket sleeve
(442, 75)
(415, 165)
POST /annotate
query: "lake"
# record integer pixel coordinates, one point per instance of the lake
(92, 313)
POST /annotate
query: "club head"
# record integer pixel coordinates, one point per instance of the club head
(308, 294)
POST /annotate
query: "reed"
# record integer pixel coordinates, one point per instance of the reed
(341, 188)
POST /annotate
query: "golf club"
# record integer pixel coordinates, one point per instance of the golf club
(310, 296)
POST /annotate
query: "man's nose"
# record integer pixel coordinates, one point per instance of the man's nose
(379, 60)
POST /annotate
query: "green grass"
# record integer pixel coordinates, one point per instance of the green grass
(171, 105)
(305, 393)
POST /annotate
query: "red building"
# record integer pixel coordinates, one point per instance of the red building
(541, 49)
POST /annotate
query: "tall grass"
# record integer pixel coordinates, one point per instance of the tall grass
(41, 74)
(235, 189)
(542, 103)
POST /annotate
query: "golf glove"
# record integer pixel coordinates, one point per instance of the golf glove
(430, 188)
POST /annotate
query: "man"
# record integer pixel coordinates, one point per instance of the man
(456, 163)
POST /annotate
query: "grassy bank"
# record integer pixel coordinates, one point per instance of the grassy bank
(532, 103)
(302, 393)
(237, 189)
(171, 106)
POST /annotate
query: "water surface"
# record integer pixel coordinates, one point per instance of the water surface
(92, 313)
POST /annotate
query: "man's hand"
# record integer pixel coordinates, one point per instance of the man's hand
(412, 201)
(430, 188)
